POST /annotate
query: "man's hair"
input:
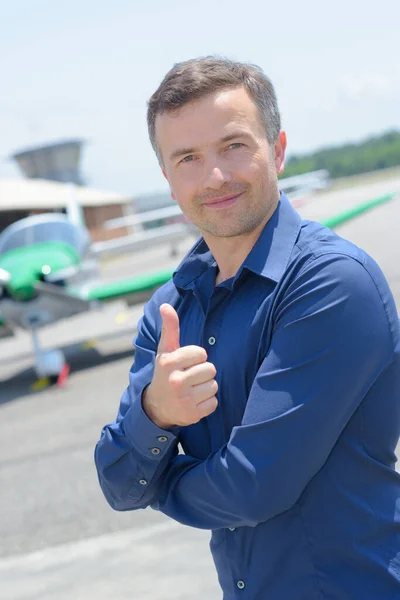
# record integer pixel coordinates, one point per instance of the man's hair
(198, 77)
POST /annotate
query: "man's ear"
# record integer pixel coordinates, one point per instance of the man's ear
(280, 148)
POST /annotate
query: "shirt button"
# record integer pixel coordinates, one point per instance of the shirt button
(155, 451)
(162, 438)
(232, 528)
(211, 340)
(143, 482)
(240, 584)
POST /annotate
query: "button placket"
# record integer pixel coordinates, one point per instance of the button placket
(213, 320)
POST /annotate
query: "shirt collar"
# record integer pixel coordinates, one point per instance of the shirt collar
(268, 257)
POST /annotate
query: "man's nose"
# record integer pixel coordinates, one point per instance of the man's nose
(215, 176)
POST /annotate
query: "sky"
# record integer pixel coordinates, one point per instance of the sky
(86, 68)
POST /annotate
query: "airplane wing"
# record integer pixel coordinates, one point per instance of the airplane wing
(68, 303)
(132, 289)
(51, 304)
(54, 302)
(141, 240)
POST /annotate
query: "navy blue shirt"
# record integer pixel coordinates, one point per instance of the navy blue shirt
(294, 472)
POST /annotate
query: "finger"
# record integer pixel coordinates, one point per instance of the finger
(204, 391)
(188, 356)
(199, 373)
(207, 407)
(169, 340)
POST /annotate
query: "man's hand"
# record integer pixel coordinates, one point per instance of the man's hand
(183, 387)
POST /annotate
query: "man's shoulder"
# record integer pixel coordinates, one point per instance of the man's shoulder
(167, 293)
(322, 254)
(319, 249)
(316, 240)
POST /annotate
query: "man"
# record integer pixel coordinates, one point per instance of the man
(272, 357)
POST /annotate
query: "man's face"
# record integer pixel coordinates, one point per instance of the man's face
(219, 164)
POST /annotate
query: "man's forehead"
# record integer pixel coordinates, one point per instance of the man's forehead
(225, 109)
(226, 99)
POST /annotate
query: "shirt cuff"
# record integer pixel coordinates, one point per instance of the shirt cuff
(149, 440)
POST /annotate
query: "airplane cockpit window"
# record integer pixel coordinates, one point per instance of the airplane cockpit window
(32, 230)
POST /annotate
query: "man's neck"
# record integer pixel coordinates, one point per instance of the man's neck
(230, 253)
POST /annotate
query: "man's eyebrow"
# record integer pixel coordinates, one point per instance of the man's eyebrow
(227, 138)
(234, 135)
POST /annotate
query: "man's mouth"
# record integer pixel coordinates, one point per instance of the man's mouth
(223, 201)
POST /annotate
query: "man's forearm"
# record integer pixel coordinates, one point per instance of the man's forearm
(131, 456)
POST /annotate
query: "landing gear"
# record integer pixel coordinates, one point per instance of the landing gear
(49, 363)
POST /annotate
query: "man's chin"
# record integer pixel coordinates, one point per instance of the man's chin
(228, 232)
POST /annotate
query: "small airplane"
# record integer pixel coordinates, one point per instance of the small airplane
(49, 270)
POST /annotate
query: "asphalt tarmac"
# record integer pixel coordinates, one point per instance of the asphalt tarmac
(58, 537)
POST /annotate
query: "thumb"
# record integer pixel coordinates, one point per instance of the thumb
(169, 340)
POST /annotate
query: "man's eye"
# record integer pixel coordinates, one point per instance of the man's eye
(235, 145)
(187, 158)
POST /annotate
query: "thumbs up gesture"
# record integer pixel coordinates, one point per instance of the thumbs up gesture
(183, 387)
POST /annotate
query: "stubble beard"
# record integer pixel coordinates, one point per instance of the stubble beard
(251, 215)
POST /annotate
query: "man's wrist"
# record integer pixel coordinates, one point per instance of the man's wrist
(150, 410)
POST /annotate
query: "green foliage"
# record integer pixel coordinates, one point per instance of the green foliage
(371, 154)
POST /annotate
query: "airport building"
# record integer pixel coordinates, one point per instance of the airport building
(52, 180)
(20, 198)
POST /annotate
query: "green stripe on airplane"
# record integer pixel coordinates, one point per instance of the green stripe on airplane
(138, 284)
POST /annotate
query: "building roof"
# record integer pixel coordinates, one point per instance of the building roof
(30, 194)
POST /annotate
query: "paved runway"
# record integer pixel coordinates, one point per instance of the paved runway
(58, 537)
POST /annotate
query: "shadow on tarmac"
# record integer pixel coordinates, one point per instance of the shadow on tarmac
(20, 383)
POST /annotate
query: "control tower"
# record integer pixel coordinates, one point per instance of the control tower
(57, 162)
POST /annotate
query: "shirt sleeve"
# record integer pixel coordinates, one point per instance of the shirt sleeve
(331, 340)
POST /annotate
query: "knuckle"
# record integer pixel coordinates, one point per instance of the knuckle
(175, 380)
